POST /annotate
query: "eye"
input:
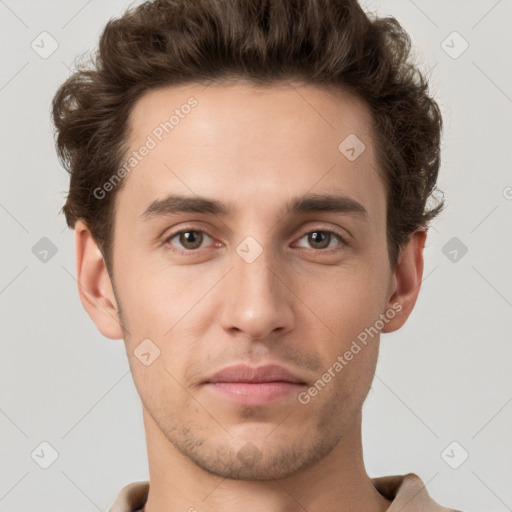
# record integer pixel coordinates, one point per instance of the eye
(321, 239)
(190, 240)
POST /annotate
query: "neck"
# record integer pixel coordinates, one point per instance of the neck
(337, 482)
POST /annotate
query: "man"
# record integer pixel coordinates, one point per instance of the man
(248, 190)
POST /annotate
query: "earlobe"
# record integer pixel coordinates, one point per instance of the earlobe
(94, 284)
(406, 280)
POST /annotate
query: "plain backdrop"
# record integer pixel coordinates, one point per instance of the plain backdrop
(442, 391)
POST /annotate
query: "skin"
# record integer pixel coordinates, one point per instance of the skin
(297, 304)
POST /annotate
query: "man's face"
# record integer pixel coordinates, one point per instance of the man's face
(254, 285)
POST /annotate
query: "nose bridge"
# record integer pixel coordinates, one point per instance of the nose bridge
(256, 299)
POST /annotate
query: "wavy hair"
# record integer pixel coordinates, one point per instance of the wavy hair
(328, 43)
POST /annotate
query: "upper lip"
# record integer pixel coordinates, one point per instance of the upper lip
(244, 373)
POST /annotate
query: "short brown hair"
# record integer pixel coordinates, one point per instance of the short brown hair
(319, 42)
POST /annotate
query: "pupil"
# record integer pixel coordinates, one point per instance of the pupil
(191, 238)
(317, 237)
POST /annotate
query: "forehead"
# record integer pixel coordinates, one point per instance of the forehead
(243, 110)
(248, 145)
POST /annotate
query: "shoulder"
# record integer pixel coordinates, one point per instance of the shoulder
(131, 497)
(408, 494)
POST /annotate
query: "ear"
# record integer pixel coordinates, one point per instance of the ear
(406, 281)
(94, 285)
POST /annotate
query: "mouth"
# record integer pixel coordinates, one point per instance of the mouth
(259, 386)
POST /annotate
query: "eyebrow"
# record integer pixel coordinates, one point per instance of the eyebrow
(174, 204)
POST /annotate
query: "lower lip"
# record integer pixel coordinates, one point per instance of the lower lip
(255, 393)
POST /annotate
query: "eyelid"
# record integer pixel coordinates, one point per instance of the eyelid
(343, 241)
(169, 237)
(185, 229)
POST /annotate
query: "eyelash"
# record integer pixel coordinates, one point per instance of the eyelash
(192, 252)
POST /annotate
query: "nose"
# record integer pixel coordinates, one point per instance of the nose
(258, 301)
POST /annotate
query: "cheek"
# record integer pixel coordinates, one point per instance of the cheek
(157, 297)
(159, 388)
(346, 301)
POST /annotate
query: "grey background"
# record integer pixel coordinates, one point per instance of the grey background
(444, 377)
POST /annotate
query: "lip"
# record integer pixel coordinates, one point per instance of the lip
(259, 386)
(260, 374)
